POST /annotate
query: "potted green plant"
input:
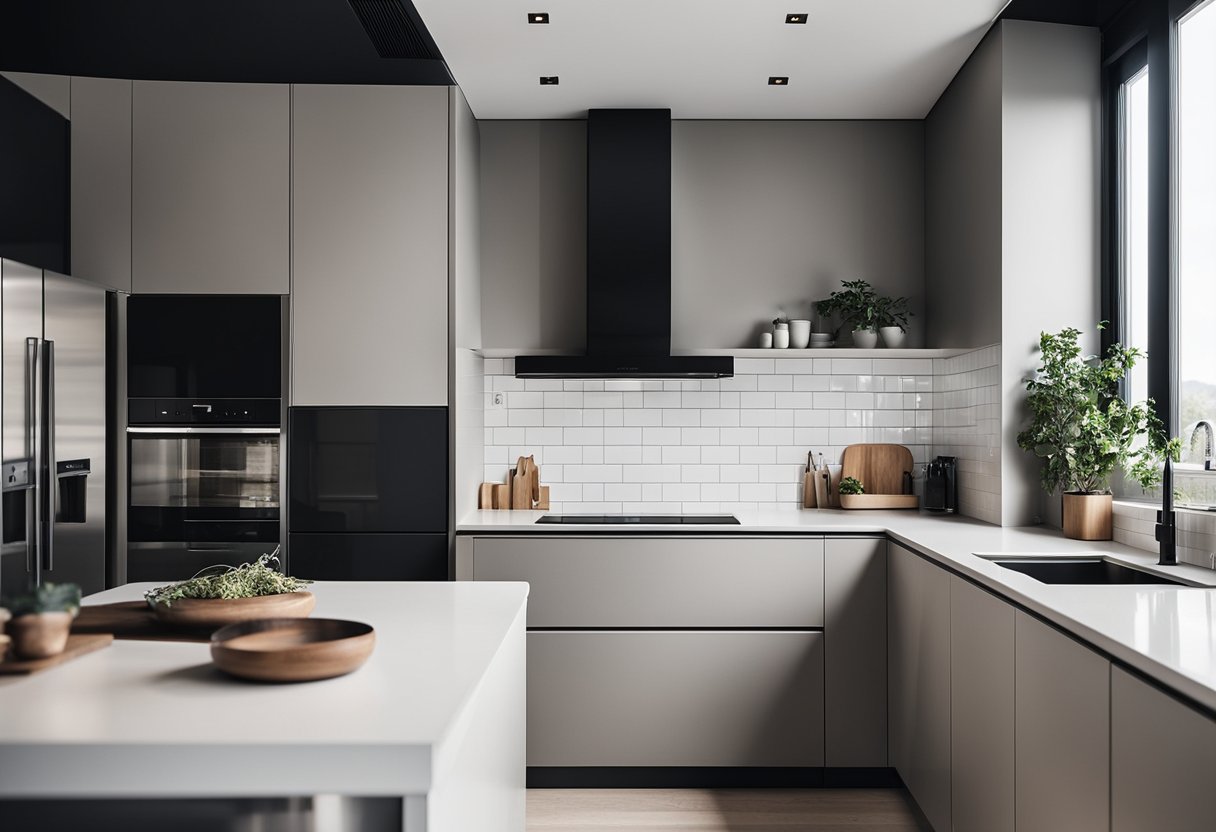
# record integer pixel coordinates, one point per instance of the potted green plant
(893, 314)
(851, 485)
(856, 306)
(1082, 430)
(41, 620)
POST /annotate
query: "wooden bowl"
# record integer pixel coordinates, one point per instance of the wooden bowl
(199, 613)
(292, 649)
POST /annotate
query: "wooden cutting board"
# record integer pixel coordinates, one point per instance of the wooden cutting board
(880, 468)
(77, 646)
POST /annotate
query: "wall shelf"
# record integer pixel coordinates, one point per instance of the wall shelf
(843, 352)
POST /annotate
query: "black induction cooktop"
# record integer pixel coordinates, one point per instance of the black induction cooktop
(642, 519)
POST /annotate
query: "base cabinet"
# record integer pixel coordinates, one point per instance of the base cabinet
(919, 674)
(675, 698)
(981, 710)
(1163, 757)
(1062, 692)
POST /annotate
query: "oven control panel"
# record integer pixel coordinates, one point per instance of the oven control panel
(249, 412)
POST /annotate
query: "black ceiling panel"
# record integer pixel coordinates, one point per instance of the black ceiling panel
(1074, 12)
(272, 41)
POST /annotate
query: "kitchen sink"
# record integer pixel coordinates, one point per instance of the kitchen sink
(1097, 571)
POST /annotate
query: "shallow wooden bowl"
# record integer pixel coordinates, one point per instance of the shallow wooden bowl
(292, 649)
(197, 613)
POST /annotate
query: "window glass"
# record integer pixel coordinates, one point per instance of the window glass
(1134, 219)
(1196, 227)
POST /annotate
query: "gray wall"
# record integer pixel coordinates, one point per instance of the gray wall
(963, 204)
(1051, 134)
(765, 216)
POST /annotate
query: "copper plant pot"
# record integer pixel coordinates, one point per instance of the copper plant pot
(1089, 516)
(40, 635)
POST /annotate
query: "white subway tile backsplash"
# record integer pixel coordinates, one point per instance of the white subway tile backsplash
(729, 444)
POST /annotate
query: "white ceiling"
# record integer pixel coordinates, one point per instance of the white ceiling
(707, 58)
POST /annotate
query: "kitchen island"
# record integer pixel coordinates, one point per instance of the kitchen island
(427, 735)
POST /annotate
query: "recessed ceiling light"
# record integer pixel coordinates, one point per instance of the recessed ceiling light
(538, 17)
(796, 17)
(548, 80)
(778, 80)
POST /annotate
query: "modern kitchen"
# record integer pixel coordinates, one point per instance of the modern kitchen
(453, 415)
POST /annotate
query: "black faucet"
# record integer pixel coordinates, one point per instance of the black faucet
(1166, 520)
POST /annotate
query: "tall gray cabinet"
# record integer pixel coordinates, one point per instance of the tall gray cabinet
(210, 187)
(101, 181)
(369, 245)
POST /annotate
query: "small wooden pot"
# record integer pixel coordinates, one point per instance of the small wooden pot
(1089, 516)
(40, 635)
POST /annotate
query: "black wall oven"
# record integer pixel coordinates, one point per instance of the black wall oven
(204, 443)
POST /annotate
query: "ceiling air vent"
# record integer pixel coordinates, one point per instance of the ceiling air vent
(394, 29)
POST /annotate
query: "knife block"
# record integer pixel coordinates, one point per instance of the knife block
(515, 493)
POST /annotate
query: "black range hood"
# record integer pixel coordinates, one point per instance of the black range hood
(628, 258)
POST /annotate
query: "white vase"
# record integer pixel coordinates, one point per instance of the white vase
(892, 336)
(800, 334)
(781, 336)
(865, 339)
(766, 340)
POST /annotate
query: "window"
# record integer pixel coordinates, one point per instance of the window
(1133, 221)
(1195, 229)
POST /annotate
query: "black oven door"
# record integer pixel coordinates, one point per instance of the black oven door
(199, 497)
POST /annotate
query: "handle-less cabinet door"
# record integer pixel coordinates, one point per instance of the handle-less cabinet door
(1062, 719)
(855, 632)
(101, 181)
(982, 709)
(918, 623)
(675, 698)
(1163, 755)
(369, 299)
(211, 182)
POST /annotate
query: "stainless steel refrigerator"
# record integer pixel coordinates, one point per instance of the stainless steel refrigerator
(53, 442)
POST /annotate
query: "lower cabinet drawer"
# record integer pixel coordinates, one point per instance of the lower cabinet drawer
(613, 582)
(675, 698)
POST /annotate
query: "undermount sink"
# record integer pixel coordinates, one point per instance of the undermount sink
(1093, 571)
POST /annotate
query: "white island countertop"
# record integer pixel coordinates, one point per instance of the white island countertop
(1166, 632)
(148, 718)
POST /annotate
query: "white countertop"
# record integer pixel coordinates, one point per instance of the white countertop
(1168, 633)
(146, 718)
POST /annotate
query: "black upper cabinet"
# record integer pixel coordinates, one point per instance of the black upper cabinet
(368, 470)
(35, 184)
(204, 346)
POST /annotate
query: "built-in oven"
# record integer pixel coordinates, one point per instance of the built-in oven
(200, 496)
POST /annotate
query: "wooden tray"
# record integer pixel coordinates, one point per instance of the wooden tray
(879, 501)
(132, 620)
(77, 646)
(198, 613)
(292, 649)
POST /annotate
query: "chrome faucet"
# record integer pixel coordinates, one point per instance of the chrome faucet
(1209, 441)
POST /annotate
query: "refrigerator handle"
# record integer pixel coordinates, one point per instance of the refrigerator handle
(33, 448)
(51, 483)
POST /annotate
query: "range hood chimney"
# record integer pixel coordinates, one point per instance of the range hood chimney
(628, 258)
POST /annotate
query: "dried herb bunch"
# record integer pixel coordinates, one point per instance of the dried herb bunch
(249, 580)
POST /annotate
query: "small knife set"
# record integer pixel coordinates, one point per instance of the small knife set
(521, 491)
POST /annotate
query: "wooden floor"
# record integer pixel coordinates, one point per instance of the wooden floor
(705, 810)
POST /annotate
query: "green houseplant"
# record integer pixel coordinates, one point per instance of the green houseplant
(851, 485)
(42, 619)
(1082, 430)
(864, 311)
(893, 314)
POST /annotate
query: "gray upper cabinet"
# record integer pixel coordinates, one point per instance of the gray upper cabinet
(919, 671)
(1163, 756)
(211, 187)
(101, 181)
(1062, 730)
(370, 245)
